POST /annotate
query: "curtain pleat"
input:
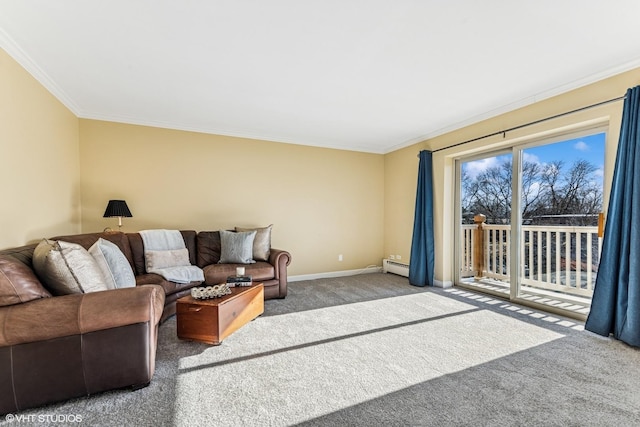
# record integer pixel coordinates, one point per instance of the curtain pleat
(615, 307)
(422, 262)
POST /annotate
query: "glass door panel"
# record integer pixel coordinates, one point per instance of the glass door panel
(560, 205)
(551, 256)
(485, 201)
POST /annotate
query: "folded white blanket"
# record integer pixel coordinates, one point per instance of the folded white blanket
(183, 274)
(162, 240)
(170, 266)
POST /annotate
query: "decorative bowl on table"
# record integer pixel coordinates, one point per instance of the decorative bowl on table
(207, 292)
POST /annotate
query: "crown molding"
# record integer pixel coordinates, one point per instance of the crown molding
(12, 48)
(559, 90)
(20, 56)
(224, 132)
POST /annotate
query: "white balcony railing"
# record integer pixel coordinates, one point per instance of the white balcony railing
(555, 258)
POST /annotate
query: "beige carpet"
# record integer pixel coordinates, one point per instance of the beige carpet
(373, 350)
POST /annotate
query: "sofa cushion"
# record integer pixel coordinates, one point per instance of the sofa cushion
(169, 287)
(236, 247)
(215, 274)
(208, 244)
(67, 315)
(113, 263)
(18, 283)
(261, 243)
(67, 268)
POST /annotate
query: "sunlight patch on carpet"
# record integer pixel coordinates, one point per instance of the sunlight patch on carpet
(306, 364)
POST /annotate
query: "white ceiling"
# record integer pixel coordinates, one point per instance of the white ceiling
(365, 75)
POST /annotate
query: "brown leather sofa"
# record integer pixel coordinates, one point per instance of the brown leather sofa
(272, 273)
(204, 251)
(56, 348)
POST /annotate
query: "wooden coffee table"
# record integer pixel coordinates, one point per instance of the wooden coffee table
(212, 320)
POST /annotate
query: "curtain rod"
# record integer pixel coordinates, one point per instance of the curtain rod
(532, 123)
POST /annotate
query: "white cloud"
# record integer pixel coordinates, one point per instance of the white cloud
(531, 158)
(581, 146)
(599, 172)
(533, 189)
(476, 167)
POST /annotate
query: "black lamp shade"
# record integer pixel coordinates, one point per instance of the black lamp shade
(117, 208)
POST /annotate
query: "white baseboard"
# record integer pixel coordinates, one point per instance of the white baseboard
(442, 283)
(334, 274)
(437, 283)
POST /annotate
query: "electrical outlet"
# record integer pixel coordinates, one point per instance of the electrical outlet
(398, 257)
(392, 257)
(340, 257)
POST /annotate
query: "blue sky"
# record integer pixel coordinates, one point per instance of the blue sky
(590, 148)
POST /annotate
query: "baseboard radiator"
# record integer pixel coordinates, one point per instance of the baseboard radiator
(395, 267)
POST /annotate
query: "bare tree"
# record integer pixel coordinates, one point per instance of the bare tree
(547, 191)
(490, 193)
(533, 189)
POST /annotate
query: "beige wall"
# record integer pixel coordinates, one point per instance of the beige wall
(39, 160)
(322, 202)
(401, 166)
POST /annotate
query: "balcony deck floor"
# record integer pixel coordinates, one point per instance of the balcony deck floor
(571, 304)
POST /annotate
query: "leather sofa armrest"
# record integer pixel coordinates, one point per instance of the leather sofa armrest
(280, 260)
(61, 316)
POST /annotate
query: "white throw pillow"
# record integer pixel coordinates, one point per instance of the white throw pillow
(67, 268)
(114, 265)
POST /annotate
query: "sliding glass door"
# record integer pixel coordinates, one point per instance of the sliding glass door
(485, 206)
(543, 246)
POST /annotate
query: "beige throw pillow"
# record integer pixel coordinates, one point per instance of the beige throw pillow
(261, 243)
(164, 259)
(67, 268)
